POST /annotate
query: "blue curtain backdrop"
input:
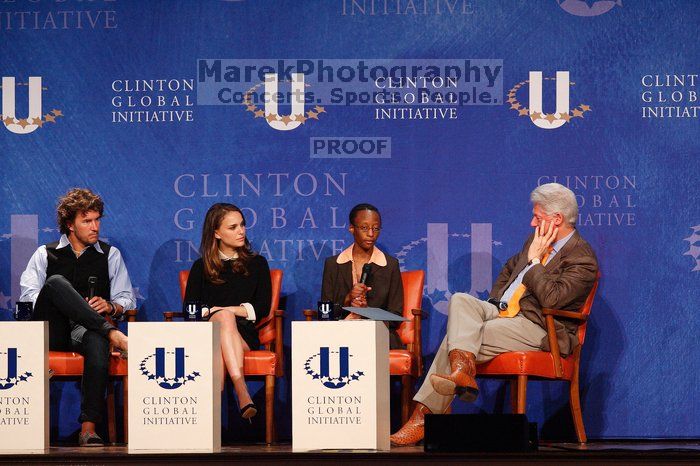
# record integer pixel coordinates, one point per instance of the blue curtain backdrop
(132, 106)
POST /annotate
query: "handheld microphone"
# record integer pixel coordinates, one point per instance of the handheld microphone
(91, 287)
(366, 271)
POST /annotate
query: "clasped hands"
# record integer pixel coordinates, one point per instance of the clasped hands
(238, 311)
(358, 298)
(544, 237)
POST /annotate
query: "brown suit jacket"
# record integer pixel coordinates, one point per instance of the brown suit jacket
(564, 283)
(387, 288)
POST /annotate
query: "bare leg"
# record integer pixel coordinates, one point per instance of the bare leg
(118, 339)
(232, 348)
(87, 426)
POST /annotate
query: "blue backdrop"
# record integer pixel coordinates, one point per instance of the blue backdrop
(130, 104)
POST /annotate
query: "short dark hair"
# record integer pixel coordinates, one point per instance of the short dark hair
(359, 208)
(76, 200)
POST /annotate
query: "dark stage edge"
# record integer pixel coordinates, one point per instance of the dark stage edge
(628, 452)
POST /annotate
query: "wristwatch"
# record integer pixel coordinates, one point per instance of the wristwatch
(534, 261)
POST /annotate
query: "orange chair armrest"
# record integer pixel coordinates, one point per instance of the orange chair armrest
(268, 318)
(265, 321)
(169, 315)
(310, 314)
(130, 315)
(567, 314)
(554, 347)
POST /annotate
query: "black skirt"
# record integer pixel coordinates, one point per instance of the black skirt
(246, 328)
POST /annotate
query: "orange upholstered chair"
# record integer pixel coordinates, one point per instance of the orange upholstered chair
(408, 363)
(519, 366)
(68, 365)
(266, 362)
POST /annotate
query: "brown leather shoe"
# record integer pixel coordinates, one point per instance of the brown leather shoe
(461, 381)
(414, 430)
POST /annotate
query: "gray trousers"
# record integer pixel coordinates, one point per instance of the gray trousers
(473, 325)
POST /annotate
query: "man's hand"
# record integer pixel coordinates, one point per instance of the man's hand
(100, 305)
(358, 295)
(544, 237)
(353, 316)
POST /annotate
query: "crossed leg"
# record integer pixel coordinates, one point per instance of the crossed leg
(232, 348)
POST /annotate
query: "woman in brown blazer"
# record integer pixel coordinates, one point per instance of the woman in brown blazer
(341, 273)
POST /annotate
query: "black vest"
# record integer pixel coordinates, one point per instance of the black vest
(77, 270)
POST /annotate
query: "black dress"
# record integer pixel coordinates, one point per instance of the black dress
(255, 288)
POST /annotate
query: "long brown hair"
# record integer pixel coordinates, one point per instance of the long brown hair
(209, 247)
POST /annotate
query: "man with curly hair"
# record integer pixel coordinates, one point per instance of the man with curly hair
(74, 283)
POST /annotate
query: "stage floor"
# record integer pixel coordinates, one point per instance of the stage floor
(627, 452)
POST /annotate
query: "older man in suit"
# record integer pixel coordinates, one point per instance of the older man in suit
(556, 268)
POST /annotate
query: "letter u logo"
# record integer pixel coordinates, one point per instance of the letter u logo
(178, 380)
(286, 122)
(343, 363)
(562, 102)
(322, 361)
(11, 379)
(8, 104)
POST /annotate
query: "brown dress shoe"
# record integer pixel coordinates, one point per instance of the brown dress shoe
(461, 381)
(414, 430)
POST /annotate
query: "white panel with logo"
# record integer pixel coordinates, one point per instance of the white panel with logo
(24, 387)
(340, 385)
(174, 387)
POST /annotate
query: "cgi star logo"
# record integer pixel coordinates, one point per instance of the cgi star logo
(35, 119)
(271, 114)
(588, 7)
(562, 115)
(694, 249)
(317, 366)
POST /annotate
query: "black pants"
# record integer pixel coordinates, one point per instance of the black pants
(75, 326)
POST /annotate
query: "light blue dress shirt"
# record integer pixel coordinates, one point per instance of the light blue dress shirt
(34, 276)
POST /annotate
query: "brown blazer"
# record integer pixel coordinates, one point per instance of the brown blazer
(564, 283)
(387, 288)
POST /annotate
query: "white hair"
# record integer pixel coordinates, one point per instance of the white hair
(555, 198)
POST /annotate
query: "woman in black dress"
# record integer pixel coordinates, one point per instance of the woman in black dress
(234, 282)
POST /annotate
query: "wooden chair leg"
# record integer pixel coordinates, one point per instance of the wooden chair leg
(575, 403)
(274, 431)
(406, 396)
(513, 396)
(111, 414)
(522, 394)
(125, 391)
(269, 408)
